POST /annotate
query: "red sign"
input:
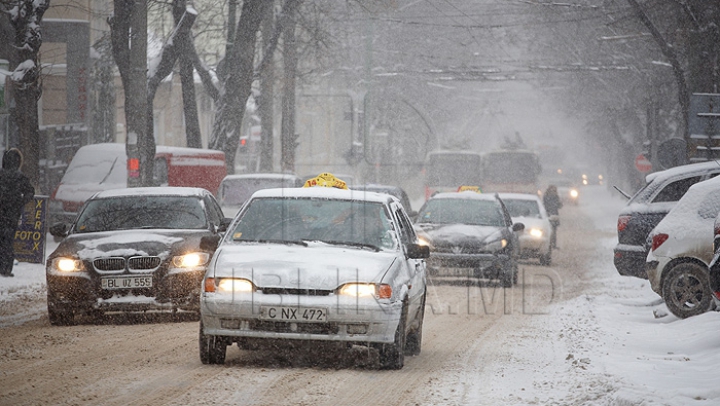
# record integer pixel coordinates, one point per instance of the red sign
(642, 164)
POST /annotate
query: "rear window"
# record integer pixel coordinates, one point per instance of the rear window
(675, 190)
(235, 192)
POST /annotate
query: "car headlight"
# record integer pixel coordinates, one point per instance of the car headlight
(573, 193)
(536, 232)
(423, 241)
(68, 264)
(229, 285)
(382, 291)
(191, 260)
(496, 245)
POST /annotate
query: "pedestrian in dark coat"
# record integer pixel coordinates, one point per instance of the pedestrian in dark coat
(15, 192)
(552, 203)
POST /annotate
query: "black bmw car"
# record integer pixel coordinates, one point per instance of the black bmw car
(132, 249)
(473, 237)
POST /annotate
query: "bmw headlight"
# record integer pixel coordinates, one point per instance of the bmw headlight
(191, 260)
(64, 264)
(496, 245)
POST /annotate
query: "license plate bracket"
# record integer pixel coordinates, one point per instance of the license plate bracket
(126, 282)
(294, 314)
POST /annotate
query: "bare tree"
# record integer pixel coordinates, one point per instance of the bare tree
(20, 40)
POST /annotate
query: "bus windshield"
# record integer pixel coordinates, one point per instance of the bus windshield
(452, 169)
(511, 167)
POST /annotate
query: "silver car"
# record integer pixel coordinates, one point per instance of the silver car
(316, 264)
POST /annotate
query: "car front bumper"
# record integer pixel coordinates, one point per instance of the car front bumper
(83, 291)
(486, 266)
(353, 320)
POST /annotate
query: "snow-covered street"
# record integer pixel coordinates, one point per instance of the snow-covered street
(574, 333)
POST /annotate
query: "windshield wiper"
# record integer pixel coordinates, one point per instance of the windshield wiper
(287, 242)
(109, 172)
(353, 244)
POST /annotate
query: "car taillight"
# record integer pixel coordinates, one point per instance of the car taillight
(658, 239)
(717, 229)
(623, 222)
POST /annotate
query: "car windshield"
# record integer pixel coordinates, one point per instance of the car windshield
(461, 211)
(136, 212)
(235, 192)
(522, 208)
(310, 219)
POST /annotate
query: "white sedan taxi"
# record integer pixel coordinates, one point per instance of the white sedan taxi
(316, 264)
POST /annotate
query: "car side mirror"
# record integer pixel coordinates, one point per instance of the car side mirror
(223, 226)
(518, 227)
(209, 243)
(417, 251)
(59, 230)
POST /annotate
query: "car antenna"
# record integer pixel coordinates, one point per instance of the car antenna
(627, 196)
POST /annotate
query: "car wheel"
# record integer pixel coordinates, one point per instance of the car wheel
(546, 259)
(392, 356)
(60, 315)
(686, 290)
(413, 346)
(212, 348)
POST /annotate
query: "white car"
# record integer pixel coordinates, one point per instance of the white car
(535, 239)
(316, 264)
(681, 248)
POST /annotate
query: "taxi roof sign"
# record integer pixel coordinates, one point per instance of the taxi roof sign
(326, 179)
(466, 188)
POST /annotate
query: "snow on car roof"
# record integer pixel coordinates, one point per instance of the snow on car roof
(464, 195)
(519, 196)
(114, 148)
(326, 193)
(153, 191)
(682, 169)
(261, 176)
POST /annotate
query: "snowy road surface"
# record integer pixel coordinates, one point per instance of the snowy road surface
(574, 333)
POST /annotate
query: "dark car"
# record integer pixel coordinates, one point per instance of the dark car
(473, 237)
(388, 190)
(650, 205)
(133, 250)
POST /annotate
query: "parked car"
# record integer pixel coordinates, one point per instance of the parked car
(714, 267)
(132, 249)
(316, 264)
(529, 210)
(682, 248)
(99, 167)
(235, 190)
(647, 207)
(390, 190)
(473, 237)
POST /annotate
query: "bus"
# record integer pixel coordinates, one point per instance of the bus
(511, 170)
(446, 171)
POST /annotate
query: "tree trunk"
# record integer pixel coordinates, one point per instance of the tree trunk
(288, 136)
(238, 82)
(190, 111)
(266, 102)
(25, 86)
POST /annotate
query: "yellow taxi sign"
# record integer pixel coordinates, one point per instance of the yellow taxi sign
(326, 179)
(466, 188)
